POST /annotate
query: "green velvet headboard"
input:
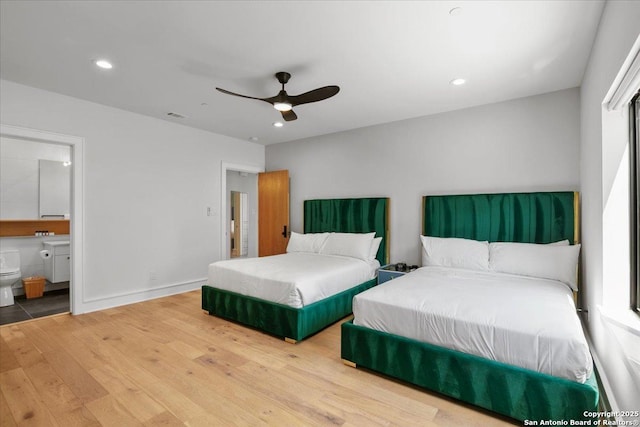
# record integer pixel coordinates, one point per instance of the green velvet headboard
(541, 217)
(362, 215)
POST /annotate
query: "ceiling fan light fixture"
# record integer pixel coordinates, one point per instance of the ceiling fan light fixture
(282, 106)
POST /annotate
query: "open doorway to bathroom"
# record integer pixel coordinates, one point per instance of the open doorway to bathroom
(35, 210)
(240, 178)
(241, 214)
(239, 226)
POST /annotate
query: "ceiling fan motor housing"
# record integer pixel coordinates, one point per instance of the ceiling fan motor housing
(283, 77)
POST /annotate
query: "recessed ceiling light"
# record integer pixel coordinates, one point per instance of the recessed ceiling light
(253, 138)
(458, 82)
(456, 11)
(103, 63)
(278, 124)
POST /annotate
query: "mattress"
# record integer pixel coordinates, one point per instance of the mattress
(295, 279)
(522, 321)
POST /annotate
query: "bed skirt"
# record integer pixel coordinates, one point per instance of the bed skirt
(515, 392)
(278, 319)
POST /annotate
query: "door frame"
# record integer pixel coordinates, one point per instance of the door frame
(76, 144)
(223, 199)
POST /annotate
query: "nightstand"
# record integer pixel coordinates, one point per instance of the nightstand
(391, 271)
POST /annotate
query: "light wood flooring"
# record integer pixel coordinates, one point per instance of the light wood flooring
(166, 362)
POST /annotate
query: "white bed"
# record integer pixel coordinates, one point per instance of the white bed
(523, 321)
(490, 319)
(295, 279)
(297, 294)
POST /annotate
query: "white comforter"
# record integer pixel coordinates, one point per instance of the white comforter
(295, 279)
(522, 321)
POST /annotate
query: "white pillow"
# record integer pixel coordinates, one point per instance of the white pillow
(375, 245)
(528, 259)
(564, 242)
(310, 242)
(355, 245)
(455, 252)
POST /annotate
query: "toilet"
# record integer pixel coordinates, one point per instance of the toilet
(9, 274)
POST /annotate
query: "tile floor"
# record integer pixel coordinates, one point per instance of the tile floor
(52, 302)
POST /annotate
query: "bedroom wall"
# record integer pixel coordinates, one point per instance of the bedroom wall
(147, 186)
(614, 329)
(528, 144)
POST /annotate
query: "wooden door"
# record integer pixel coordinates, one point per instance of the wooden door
(273, 212)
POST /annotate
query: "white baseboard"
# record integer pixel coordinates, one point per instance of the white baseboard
(95, 304)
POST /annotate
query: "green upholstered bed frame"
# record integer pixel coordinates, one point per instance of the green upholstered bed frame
(515, 392)
(361, 215)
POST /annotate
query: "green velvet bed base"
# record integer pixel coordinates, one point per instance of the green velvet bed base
(515, 392)
(358, 215)
(278, 319)
(540, 217)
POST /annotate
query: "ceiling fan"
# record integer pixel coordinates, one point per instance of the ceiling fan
(284, 102)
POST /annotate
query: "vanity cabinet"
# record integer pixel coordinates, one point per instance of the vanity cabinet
(57, 268)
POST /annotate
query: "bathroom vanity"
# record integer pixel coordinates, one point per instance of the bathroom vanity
(57, 268)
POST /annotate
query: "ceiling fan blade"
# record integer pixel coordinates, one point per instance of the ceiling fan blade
(242, 96)
(314, 95)
(289, 115)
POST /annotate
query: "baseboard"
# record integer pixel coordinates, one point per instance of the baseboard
(96, 304)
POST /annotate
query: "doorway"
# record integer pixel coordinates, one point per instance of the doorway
(235, 181)
(35, 180)
(239, 226)
(76, 146)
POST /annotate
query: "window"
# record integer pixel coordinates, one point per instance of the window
(634, 201)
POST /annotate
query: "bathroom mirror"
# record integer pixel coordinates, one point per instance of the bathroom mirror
(54, 189)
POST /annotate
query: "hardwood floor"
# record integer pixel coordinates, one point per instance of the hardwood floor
(166, 362)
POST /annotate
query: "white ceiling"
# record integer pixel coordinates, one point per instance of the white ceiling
(393, 60)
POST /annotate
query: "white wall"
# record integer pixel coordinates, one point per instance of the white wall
(528, 144)
(147, 186)
(605, 217)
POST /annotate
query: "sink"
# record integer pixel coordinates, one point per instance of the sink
(57, 243)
